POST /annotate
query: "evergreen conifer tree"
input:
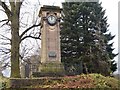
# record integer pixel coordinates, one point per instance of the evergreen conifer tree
(85, 39)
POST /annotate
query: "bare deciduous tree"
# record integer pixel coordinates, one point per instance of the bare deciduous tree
(19, 28)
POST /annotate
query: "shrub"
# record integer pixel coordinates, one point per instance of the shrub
(104, 82)
(4, 82)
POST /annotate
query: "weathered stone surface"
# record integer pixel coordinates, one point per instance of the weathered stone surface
(51, 69)
(28, 82)
(50, 43)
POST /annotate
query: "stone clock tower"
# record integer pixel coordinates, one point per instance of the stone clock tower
(50, 41)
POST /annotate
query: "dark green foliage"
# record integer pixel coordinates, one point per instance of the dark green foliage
(113, 66)
(85, 39)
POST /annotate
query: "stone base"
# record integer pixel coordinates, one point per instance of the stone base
(31, 83)
(51, 69)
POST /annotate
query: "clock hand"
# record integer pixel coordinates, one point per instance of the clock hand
(51, 18)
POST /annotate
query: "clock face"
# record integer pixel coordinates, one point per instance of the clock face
(51, 20)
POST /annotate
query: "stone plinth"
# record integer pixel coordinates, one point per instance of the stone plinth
(51, 69)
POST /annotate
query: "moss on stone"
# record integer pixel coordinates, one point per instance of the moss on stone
(50, 69)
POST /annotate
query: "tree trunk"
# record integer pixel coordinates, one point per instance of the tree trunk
(15, 41)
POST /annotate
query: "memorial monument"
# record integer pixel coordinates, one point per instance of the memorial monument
(50, 41)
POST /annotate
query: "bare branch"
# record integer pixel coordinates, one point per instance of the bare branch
(6, 23)
(4, 20)
(2, 10)
(29, 29)
(22, 17)
(7, 11)
(6, 38)
(31, 37)
(25, 52)
(21, 57)
(5, 50)
(5, 43)
(4, 67)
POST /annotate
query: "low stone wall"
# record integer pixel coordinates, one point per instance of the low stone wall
(28, 82)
